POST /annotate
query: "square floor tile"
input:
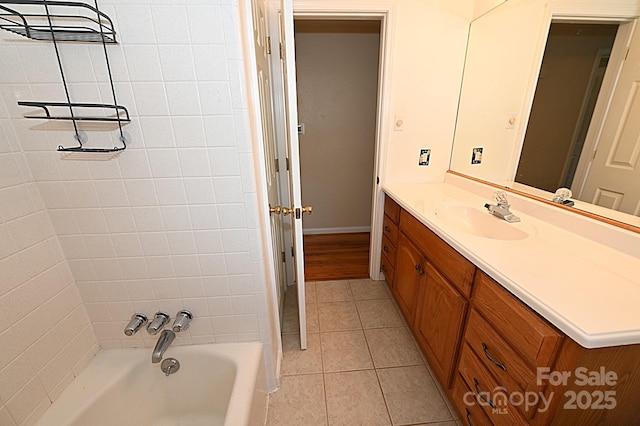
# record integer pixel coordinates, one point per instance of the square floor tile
(344, 351)
(333, 291)
(354, 398)
(310, 293)
(369, 289)
(378, 313)
(338, 316)
(299, 401)
(298, 361)
(291, 319)
(392, 347)
(412, 396)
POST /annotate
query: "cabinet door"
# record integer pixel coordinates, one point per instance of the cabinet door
(438, 324)
(407, 275)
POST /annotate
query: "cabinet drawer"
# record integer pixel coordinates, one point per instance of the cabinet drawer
(487, 392)
(388, 269)
(449, 262)
(497, 357)
(470, 412)
(389, 250)
(532, 337)
(391, 209)
(390, 230)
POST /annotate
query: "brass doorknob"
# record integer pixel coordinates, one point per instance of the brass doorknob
(286, 211)
(276, 210)
(307, 209)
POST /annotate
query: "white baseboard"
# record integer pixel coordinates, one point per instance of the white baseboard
(347, 230)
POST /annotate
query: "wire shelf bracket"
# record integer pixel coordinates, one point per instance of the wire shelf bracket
(86, 24)
(83, 23)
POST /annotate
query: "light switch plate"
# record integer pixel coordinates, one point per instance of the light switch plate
(398, 123)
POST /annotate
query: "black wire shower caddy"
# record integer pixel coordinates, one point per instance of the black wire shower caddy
(73, 22)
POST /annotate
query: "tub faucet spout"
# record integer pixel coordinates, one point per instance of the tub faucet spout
(163, 343)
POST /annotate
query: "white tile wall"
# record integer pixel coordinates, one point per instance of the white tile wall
(164, 225)
(45, 334)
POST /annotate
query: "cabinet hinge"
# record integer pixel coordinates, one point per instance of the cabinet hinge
(269, 45)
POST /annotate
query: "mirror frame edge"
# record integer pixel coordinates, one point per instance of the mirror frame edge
(580, 212)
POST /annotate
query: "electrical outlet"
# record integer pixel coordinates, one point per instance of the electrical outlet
(476, 155)
(425, 156)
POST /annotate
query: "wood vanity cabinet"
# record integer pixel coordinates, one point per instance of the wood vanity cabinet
(431, 285)
(438, 324)
(481, 340)
(408, 276)
(389, 239)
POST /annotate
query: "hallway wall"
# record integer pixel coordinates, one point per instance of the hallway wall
(337, 75)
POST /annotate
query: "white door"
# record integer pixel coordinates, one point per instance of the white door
(291, 106)
(262, 51)
(612, 180)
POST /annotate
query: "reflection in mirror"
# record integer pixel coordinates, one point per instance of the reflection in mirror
(573, 68)
(542, 124)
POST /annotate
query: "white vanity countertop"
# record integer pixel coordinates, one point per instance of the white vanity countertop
(589, 290)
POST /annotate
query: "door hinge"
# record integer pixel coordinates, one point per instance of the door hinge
(283, 257)
(269, 45)
(627, 54)
(293, 254)
(594, 155)
(280, 50)
(377, 180)
(287, 163)
(277, 161)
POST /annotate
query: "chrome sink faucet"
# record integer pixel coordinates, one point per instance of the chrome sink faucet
(163, 343)
(501, 208)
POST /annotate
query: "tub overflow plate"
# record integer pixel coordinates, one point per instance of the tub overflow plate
(170, 366)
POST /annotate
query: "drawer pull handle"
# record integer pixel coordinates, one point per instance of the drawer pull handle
(485, 348)
(468, 417)
(383, 268)
(420, 270)
(482, 395)
(385, 249)
(387, 229)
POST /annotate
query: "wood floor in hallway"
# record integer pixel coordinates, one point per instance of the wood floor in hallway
(336, 256)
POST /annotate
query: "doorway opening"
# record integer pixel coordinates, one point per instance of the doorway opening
(573, 68)
(337, 66)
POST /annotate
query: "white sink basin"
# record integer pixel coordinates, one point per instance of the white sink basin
(480, 223)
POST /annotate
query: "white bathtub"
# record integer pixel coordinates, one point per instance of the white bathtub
(217, 384)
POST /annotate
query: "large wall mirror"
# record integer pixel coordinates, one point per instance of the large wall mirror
(550, 99)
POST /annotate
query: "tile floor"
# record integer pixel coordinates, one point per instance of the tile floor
(361, 367)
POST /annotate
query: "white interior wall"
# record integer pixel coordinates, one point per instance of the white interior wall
(429, 46)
